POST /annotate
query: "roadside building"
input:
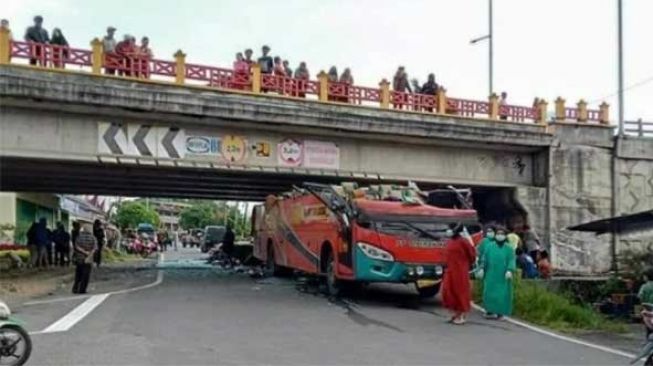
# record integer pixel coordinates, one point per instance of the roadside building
(20, 210)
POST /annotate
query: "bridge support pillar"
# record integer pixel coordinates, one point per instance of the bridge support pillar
(384, 85)
(180, 67)
(97, 56)
(5, 46)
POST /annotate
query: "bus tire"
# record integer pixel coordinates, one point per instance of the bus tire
(333, 285)
(428, 292)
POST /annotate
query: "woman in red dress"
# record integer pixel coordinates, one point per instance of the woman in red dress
(456, 290)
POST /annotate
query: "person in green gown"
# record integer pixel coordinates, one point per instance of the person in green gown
(498, 266)
(480, 249)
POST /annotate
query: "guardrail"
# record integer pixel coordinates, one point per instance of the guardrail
(638, 128)
(178, 71)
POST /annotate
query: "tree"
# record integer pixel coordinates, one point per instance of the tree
(199, 215)
(131, 213)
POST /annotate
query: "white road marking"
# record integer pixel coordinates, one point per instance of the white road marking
(159, 279)
(59, 299)
(562, 337)
(77, 314)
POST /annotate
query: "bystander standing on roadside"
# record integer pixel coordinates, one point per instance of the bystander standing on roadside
(61, 240)
(456, 290)
(43, 241)
(531, 242)
(543, 264)
(109, 48)
(499, 264)
(37, 34)
(84, 249)
(60, 53)
(32, 245)
(100, 235)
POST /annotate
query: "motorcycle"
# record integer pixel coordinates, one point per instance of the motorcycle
(647, 349)
(15, 343)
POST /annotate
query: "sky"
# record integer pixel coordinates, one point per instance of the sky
(543, 48)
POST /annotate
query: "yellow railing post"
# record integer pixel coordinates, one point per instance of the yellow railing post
(442, 100)
(180, 67)
(541, 109)
(494, 106)
(5, 46)
(256, 78)
(560, 109)
(98, 56)
(604, 113)
(384, 86)
(582, 110)
(323, 80)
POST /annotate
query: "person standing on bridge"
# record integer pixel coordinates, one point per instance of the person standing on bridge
(265, 61)
(99, 234)
(248, 57)
(332, 77)
(109, 48)
(498, 267)
(286, 67)
(347, 80)
(241, 72)
(60, 53)
(4, 24)
(503, 105)
(456, 290)
(429, 88)
(39, 36)
(84, 248)
(302, 75)
(400, 84)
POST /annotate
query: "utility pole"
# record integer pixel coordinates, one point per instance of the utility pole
(490, 37)
(620, 62)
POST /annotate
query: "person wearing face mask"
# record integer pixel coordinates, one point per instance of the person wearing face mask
(480, 249)
(456, 291)
(499, 268)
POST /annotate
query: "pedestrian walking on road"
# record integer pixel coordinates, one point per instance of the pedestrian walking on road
(100, 236)
(61, 240)
(498, 268)
(456, 290)
(85, 247)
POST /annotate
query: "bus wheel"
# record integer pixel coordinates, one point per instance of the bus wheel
(426, 292)
(333, 286)
(270, 265)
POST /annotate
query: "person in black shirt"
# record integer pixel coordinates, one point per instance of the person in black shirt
(266, 62)
(228, 242)
(98, 233)
(61, 246)
(38, 35)
(429, 88)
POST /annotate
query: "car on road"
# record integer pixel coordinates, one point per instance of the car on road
(213, 236)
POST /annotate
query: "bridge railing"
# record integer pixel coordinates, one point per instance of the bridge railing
(639, 128)
(180, 72)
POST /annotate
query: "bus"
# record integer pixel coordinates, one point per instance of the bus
(351, 234)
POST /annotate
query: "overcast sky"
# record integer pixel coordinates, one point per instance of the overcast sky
(543, 48)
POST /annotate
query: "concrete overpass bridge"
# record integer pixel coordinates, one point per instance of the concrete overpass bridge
(82, 132)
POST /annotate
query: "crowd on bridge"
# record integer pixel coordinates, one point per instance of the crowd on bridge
(129, 58)
(496, 258)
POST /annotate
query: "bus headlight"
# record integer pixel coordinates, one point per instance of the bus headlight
(439, 270)
(376, 253)
(419, 270)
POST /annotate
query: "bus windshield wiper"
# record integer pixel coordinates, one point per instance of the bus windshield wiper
(420, 230)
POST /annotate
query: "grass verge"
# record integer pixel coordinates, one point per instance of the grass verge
(536, 304)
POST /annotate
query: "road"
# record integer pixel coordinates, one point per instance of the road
(204, 316)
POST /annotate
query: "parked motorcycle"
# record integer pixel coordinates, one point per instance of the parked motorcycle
(647, 350)
(15, 343)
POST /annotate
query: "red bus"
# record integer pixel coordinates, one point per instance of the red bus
(365, 237)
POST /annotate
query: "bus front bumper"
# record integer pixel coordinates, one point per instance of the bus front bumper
(373, 270)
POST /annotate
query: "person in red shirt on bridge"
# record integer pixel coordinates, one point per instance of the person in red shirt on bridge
(456, 290)
(126, 49)
(241, 72)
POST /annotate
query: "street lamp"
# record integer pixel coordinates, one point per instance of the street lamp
(490, 38)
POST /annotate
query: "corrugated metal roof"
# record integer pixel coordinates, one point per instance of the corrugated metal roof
(626, 224)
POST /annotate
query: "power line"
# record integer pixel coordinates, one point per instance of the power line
(629, 87)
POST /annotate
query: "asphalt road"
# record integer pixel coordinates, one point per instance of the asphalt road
(204, 316)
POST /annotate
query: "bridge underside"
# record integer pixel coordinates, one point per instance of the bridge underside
(79, 177)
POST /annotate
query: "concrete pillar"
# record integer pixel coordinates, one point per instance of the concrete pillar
(256, 78)
(582, 110)
(323, 80)
(541, 109)
(604, 112)
(384, 85)
(441, 100)
(98, 56)
(494, 106)
(180, 67)
(560, 109)
(5, 46)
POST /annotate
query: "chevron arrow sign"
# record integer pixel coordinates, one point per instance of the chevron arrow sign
(171, 142)
(142, 140)
(112, 139)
